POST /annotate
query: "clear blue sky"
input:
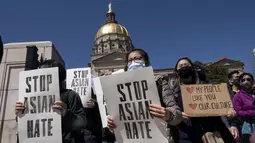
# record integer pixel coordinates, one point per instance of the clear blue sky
(203, 30)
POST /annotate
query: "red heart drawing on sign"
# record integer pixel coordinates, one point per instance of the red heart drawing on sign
(190, 89)
(193, 106)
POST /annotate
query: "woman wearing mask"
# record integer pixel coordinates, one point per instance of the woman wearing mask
(191, 130)
(243, 104)
(169, 111)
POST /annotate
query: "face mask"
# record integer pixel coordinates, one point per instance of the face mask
(185, 72)
(236, 83)
(136, 64)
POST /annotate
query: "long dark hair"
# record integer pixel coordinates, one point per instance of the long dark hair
(195, 75)
(143, 54)
(184, 58)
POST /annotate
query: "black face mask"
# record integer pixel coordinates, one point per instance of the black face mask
(185, 72)
(235, 82)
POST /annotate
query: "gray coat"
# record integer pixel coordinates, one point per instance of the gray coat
(168, 100)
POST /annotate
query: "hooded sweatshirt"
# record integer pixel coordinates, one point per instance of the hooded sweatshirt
(74, 121)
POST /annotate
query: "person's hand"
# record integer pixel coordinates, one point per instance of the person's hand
(19, 108)
(185, 116)
(110, 123)
(60, 107)
(159, 112)
(91, 103)
(107, 73)
(231, 113)
(234, 131)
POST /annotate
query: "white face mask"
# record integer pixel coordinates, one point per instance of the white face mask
(136, 64)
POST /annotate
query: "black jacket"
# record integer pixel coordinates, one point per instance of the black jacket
(74, 121)
(93, 130)
(234, 121)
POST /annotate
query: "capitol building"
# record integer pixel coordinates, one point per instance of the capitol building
(113, 41)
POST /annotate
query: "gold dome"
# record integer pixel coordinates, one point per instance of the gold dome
(112, 28)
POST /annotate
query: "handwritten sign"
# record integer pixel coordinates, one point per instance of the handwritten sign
(79, 80)
(39, 89)
(128, 98)
(206, 100)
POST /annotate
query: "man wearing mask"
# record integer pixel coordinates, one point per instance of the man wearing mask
(234, 123)
(234, 82)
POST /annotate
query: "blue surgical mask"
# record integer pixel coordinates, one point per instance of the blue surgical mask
(136, 64)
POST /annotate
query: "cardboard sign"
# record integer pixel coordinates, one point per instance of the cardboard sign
(201, 100)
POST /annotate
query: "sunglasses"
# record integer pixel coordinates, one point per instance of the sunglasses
(246, 79)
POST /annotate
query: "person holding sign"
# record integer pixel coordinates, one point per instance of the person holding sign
(195, 130)
(171, 113)
(243, 103)
(234, 122)
(70, 108)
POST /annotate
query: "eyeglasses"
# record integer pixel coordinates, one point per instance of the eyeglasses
(246, 79)
(135, 59)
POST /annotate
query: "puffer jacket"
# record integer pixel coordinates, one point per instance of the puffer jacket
(168, 100)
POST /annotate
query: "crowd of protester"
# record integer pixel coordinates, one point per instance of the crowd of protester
(83, 125)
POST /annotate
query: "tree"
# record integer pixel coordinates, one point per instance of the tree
(216, 74)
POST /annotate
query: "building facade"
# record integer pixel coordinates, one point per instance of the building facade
(111, 44)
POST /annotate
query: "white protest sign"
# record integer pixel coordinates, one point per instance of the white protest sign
(39, 89)
(128, 96)
(100, 101)
(79, 80)
(100, 97)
